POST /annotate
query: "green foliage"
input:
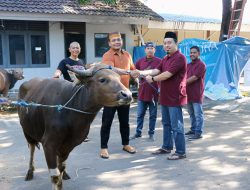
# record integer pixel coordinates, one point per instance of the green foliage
(109, 2)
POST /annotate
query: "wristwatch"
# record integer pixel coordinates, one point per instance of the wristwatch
(128, 71)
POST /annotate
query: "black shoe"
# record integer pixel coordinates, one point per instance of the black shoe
(161, 151)
(194, 137)
(135, 136)
(189, 133)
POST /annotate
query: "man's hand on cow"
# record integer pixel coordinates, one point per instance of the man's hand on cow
(149, 79)
(135, 73)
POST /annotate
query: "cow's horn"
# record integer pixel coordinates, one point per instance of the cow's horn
(80, 71)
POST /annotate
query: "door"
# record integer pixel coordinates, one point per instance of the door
(80, 38)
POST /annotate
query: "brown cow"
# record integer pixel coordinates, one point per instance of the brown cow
(60, 131)
(8, 79)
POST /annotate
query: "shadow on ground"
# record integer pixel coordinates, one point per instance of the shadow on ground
(221, 160)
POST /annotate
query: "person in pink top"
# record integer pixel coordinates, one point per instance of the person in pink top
(148, 93)
(195, 90)
(172, 75)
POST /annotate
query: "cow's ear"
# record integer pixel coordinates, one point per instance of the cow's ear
(77, 79)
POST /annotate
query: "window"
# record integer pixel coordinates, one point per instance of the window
(38, 49)
(101, 43)
(1, 51)
(16, 49)
(24, 44)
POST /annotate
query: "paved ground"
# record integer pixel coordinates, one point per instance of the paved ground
(221, 160)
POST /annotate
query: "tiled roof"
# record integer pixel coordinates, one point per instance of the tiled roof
(187, 18)
(125, 8)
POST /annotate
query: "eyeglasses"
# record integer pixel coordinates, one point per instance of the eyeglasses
(116, 40)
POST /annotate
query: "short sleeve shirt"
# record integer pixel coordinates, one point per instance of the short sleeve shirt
(62, 67)
(173, 90)
(122, 60)
(148, 92)
(195, 90)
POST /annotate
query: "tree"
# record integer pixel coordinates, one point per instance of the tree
(226, 15)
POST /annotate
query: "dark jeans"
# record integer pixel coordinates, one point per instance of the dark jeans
(141, 111)
(107, 119)
(173, 129)
(196, 117)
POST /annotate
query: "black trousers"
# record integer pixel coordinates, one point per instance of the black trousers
(107, 119)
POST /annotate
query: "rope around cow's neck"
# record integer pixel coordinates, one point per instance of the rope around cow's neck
(59, 107)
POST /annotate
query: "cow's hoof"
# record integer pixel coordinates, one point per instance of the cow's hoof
(29, 175)
(65, 176)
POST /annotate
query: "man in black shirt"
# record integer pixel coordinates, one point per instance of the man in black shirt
(75, 50)
(72, 60)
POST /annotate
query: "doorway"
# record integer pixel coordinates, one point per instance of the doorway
(80, 38)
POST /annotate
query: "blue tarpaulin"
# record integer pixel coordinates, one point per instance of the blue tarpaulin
(225, 62)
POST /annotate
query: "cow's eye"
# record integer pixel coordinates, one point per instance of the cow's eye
(102, 80)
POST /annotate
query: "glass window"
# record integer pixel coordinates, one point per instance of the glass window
(1, 51)
(101, 44)
(38, 49)
(17, 49)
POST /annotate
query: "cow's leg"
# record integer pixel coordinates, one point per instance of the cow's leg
(51, 159)
(62, 167)
(29, 175)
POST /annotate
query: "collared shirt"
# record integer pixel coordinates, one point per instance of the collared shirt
(148, 92)
(122, 60)
(195, 90)
(173, 90)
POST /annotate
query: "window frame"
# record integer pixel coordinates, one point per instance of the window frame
(27, 45)
(1, 37)
(47, 49)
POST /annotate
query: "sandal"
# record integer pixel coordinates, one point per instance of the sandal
(104, 153)
(177, 156)
(129, 149)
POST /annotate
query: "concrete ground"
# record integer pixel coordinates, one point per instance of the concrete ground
(219, 161)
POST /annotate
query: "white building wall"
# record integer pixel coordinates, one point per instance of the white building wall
(56, 47)
(91, 29)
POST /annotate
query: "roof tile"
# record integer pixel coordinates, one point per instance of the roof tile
(125, 8)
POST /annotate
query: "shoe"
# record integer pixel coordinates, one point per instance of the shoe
(194, 137)
(104, 153)
(135, 136)
(161, 151)
(189, 133)
(86, 140)
(129, 149)
(177, 156)
(151, 138)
